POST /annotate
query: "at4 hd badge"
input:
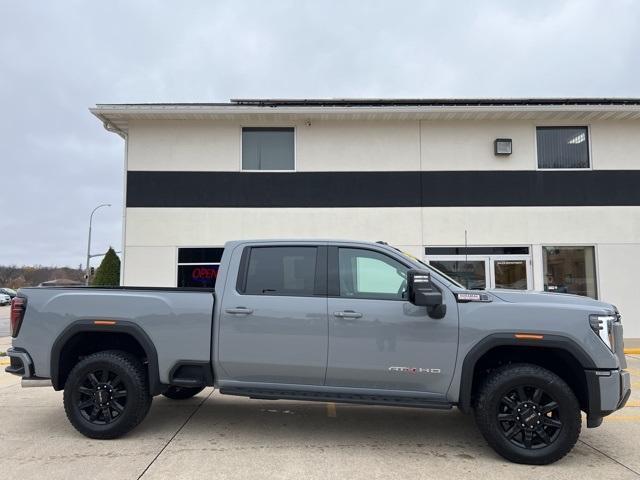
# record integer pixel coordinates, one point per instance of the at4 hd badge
(414, 370)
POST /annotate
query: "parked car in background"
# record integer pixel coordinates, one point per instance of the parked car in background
(8, 291)
(5, 299)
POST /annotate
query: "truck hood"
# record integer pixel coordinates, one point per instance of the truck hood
(514, 296)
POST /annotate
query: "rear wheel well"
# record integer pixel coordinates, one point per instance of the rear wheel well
(557, 360)
(83, 344)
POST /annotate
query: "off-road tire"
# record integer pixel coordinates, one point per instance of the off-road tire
(129, 392)
(182, 393)
(500, 394)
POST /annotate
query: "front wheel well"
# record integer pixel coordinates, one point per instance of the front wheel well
(556, 360)
(83, 344)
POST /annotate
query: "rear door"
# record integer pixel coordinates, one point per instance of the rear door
(273, 323)
(379, 340)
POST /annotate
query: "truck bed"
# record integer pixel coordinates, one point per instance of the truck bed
(175, 322)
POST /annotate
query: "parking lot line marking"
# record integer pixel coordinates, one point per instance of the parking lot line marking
(331, 410)
(632, 351)
(4, 361)
(175, 434)
(608, 456)
(633, 403)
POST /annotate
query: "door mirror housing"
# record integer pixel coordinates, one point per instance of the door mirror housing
(423, 293)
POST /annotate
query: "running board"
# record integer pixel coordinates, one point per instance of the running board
(267, 394)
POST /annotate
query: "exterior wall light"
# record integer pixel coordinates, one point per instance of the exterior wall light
(502, 146)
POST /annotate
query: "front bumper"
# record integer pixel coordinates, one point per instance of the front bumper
(608, 391)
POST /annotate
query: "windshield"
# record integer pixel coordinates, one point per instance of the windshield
(10, 291)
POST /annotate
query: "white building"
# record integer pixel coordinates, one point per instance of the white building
(547, 190)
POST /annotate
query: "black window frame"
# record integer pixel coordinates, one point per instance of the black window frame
(320, 278)
(485, 250)
(203, 257)
(286, 128)
(559, 127)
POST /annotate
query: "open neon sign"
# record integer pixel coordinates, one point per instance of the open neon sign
(204, 273)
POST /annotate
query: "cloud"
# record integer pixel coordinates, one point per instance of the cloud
(59, 58)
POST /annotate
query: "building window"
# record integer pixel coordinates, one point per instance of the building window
(471, 274)
(268, 148)
(570, 270)
(563, 147)
(289, 271)
(198, 267)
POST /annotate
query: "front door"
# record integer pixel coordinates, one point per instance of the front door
(273, 323)
(377, 339)
(511, 272)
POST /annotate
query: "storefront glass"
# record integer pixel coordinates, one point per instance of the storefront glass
(471, 274)
(198, 267)
(570, 270)
(511, 274)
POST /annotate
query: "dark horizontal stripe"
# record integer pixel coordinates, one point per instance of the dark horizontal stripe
(200, 255)
(384, 189)
(476, 251)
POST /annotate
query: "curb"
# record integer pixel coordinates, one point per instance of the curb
(4, 361)
(632, 351)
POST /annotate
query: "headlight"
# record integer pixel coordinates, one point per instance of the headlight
(602, 325)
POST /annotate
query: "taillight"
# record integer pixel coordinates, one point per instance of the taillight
(18, 307)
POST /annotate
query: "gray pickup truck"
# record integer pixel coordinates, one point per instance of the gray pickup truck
(331, 321)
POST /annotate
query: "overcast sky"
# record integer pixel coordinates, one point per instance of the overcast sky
(58, 58)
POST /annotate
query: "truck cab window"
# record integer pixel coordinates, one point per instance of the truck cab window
(369, 274)
(281, 271)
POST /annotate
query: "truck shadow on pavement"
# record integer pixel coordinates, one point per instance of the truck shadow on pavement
(228, 423)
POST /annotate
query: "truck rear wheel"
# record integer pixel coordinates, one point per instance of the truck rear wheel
(528, 414)
(182, 393)
(106, 394)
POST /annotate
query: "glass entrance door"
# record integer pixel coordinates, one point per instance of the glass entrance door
(479, 272)
(511, 273)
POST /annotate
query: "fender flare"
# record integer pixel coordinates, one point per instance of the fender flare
(508, 339)
(121, 326)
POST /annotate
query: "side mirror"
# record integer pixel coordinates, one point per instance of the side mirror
(423, 293)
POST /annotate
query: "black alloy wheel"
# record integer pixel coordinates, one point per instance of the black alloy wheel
(528, 417)
(528, 414)
(107, 394)
(102, 397)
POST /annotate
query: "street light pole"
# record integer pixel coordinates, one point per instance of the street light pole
(89, 242)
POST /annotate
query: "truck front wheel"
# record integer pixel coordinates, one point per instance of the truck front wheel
(106, 394)
(528, 414)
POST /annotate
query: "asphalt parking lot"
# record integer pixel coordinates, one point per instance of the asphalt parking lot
(215, 436)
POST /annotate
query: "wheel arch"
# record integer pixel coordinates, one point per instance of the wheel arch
(498, 343)
(119, 335)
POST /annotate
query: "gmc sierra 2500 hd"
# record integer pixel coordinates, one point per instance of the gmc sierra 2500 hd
(335, 321)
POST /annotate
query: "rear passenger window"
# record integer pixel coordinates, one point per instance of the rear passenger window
(281, 271)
